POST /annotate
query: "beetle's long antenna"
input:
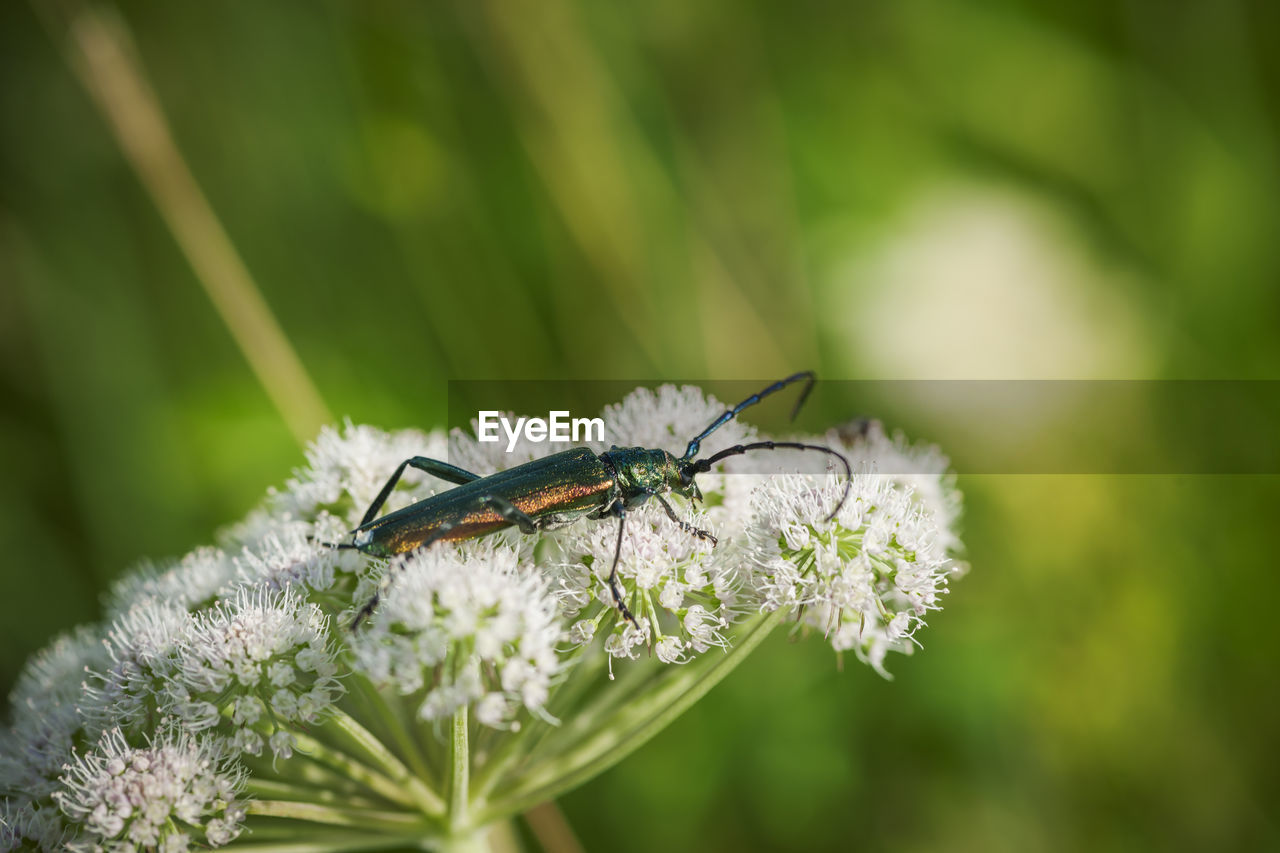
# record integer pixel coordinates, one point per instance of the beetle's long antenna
(704, 465)
(729, 414)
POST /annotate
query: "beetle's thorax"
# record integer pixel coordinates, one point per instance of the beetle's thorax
(643, 472)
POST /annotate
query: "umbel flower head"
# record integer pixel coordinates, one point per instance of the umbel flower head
(126, 798)
(477, 599)
(226, 700)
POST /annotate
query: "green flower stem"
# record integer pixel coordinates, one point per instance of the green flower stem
(357, 735)
(339, 816)
(394, 722)
(332, 842)
(509, 752)
(475, 842)
(308, 774)
(616, 692)
(513, 748)
(354, 770)
(502, 837)
(279, 790)
(637, 679)
(264, 830)
(628, 728)
(588, 663)
(459, 771)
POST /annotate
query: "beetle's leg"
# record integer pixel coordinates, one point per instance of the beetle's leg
(336, 546)
(434, 467)
(511, 513)
(366, 611)
(684, 525)
(613, 572)
(504, 507)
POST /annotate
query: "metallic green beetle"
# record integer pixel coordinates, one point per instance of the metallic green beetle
(557, 490)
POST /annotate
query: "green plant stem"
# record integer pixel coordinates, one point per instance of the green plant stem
(390, 766)
(460, 768)
(330, 840)
(275, 789)
(338, 816)
(476, 842)
(618, 735)
(309, 774)
(335, 842)
(392, 719)
(584, 669)
(585, 676)
(354, 770)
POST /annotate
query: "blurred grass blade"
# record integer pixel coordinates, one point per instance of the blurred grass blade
(614, 193)
(99, 50)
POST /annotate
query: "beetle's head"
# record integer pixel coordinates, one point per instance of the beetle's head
(676, 475)
(642, 472)
(683, 482)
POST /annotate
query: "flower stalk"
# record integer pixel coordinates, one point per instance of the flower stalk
(460, 775)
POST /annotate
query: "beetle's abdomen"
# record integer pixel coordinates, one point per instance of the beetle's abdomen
(559, 488)
(406, 534)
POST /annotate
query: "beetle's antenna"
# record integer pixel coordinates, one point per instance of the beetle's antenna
(729, 414)
(704, 465)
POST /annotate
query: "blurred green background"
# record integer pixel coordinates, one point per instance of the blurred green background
(567, 189)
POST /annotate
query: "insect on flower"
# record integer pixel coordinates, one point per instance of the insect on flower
(559, 489)
(208, 707)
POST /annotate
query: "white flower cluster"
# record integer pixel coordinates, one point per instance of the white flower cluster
(683, 593)
(140, 732)
(144, 646)
(464, 627)
(129, 798)
(920, 469)
(171, 694)
(188, 583)
(45, 727)
(267, 656)
(345, 471)
(257, 649)
(867, 576)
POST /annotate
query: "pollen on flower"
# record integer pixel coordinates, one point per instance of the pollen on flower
(669, 649)
(921, 470)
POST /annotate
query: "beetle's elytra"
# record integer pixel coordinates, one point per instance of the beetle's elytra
(557, 490)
